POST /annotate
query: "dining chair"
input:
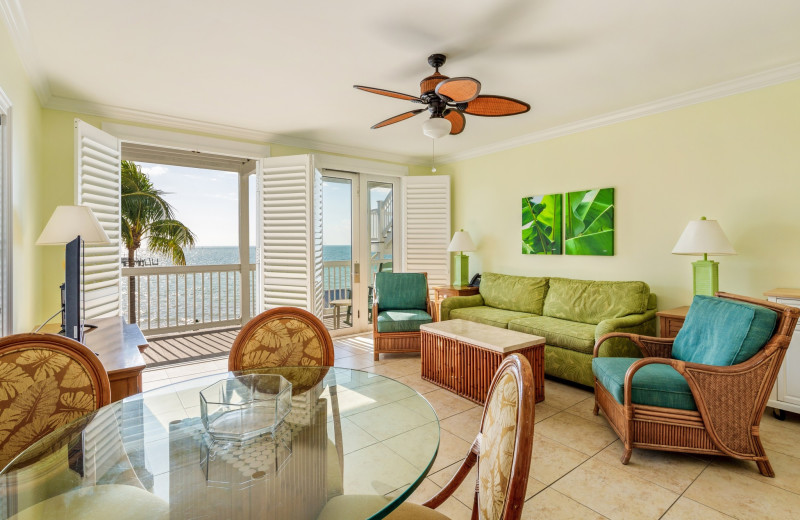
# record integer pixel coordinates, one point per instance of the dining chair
(282, 337)
(292, 337)
(46, 382)
(502, 451)
(704, 391)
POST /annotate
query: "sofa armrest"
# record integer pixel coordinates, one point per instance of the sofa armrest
(458, 302)
(625, 323)
(621, 346)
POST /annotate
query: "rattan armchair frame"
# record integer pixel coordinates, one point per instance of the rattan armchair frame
(394, 342)
(523, 445)
(730, 400)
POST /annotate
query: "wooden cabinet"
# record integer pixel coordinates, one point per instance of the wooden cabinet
(671, 321)
(786, 393)
(119, 348)
(443, 291)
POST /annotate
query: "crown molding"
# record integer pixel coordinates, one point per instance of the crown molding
(14, 18)
(726, 88)
(178, 123)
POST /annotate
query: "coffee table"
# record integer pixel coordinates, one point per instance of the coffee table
(462, 356)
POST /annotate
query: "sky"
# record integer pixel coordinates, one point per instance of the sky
(206, 201)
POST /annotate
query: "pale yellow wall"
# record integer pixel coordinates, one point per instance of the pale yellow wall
(26, 172)
(735, 159)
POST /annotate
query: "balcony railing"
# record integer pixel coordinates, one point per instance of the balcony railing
(193, 297)
(183, 298)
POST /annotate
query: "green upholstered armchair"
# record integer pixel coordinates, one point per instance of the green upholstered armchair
(400, 306)
(703, 391)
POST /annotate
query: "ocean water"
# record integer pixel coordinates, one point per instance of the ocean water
(218, 255)
(179, 300)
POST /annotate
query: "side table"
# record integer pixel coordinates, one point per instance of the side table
(443, 291)
(671, 321)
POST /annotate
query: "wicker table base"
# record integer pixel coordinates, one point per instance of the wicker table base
(462, 356)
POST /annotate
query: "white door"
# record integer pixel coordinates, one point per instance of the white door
(426, 229)
(97, 175)
(358, 240)
(341, 254)
(290, 233)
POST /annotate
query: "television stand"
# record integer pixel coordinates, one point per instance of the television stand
(119, 348)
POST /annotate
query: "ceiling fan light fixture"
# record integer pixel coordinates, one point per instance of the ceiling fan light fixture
(436, 127)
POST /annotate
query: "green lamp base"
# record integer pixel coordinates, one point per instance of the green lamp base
(706, 277)
(461, 271)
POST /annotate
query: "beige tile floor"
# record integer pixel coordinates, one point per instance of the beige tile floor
(575, 471)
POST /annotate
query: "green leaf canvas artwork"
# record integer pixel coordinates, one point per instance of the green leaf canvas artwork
(541, 225)
(589, 222)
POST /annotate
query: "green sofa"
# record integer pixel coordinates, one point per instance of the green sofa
(570, 314)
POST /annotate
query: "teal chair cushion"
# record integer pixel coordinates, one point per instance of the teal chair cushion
(407, 320)
(401, 291)
(653, 385)
(723, 332)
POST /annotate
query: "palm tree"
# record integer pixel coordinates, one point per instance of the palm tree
(147, 216)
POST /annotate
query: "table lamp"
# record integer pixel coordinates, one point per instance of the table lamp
(73, 226)
(704, 237)
(461, 242)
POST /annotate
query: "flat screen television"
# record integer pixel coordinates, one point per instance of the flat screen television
(71, 308)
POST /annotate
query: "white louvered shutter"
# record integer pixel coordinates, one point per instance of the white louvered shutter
(97, 165)
(426, 225)
(290, 245)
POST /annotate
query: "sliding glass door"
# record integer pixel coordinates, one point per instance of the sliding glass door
(340, 251)
(357, 241)
(380, 200)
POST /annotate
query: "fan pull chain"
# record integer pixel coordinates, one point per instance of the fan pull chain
(433, 155)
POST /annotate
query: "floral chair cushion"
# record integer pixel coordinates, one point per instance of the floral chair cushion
(41, 390)
(283, 341)
(497, 448)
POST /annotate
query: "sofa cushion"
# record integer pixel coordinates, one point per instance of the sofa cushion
(407, 320)
(653, 385)
(487, 315)
(513, 293)
(589, 301)
(571, 335)
(722, 332)
(400, 291)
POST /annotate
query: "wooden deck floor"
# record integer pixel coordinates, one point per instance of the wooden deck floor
(194, 346)
(167, 350)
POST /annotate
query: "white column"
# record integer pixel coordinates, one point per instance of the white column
(244, 243)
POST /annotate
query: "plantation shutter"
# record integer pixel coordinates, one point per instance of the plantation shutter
(97, 166)
(426, 225)
(290, 241)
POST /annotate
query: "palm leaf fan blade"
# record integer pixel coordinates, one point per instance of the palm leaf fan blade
(457, 121)
(397, 118)
(389, 93)
(496, 106)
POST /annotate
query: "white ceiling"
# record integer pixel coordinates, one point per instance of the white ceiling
(287, 67)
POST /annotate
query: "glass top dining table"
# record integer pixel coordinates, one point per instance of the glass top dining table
(348, 433)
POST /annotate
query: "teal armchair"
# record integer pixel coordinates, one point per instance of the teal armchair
(401, 304)
(704, 391)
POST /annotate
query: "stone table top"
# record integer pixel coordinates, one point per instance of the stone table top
(484, 336)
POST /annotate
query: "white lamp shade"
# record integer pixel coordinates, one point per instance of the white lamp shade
(461, 242)
(69, 222)
(436, 127)
(703, 237)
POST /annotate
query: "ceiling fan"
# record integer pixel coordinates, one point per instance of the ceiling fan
(448, 99)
